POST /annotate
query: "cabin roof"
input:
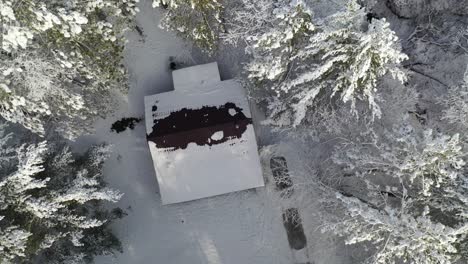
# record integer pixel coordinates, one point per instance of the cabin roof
(201, 137)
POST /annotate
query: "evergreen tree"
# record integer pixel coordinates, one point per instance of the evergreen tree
(198, 21)
(413, 206)
(455, 104)
(52, 205)
(61, 61)
(298, 61)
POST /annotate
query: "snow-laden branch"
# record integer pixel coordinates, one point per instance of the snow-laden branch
(50, 199)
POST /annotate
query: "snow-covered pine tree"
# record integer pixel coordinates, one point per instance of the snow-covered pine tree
(7, 152)
(199, 21)
(258, 23)
(414, 204)
(274, 32)
(455, 104)
(52, 205)
(419, 159)
(342, 55)
(274, 46)
(406, 233)
(61, 61)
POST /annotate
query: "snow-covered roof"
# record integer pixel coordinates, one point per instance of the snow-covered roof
(201, 137)
(200, 75)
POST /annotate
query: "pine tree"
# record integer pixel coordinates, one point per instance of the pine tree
(199, 21)
(58, 58)
(51, 205)
(414, 206)
(273, 47)
(298, 61)
(455, 104)
(407, 233)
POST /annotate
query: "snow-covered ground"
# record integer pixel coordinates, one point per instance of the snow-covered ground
(243, 227)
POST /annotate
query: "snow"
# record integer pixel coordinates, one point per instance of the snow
(232, 111)
(242, 227)
(194, 76)
(203, 171)
(217, 135)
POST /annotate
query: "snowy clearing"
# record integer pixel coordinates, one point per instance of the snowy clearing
(243, 227)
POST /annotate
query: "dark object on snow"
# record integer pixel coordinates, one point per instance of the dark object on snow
(139, 30)
(279, 168)
(291, 219)
(371, 16)
(420, 114)
(124, 123)
(293, 224)
(118, 213)
(199, 126)
(175, 64)
(8, 54)
(172, 63)
(163, 4)
(141, 33)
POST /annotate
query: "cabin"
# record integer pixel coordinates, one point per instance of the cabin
(201, 137)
